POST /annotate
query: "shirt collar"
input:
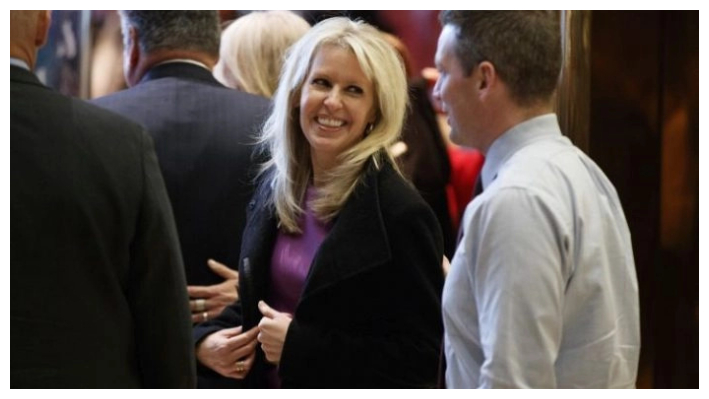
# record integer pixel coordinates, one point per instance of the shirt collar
(19, 63)
(183, 60)
(514, 139)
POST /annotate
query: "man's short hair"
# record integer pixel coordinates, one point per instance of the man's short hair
(524, 47)
(174, 30)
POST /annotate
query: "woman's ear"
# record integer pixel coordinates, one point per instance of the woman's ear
(295, 99)
(373, 116)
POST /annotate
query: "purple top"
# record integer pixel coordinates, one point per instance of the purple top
(292, 256)
(290, 263)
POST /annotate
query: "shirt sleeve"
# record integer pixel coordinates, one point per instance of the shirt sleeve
(517, 245)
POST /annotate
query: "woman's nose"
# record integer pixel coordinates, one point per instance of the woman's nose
(333, 99)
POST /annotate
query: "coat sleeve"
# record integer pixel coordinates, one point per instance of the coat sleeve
(157, 287)
(403, 349)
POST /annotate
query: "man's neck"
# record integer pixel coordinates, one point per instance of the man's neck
(512, 115)
(22, 54)
(521, 114)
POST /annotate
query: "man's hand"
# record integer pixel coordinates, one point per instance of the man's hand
(206, 302)
(274, 327)
(229, 352)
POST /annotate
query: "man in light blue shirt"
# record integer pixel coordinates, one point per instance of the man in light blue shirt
(542, 290)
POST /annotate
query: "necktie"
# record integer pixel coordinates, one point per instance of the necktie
(477, 190)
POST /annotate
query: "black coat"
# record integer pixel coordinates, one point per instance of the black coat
(97, 284)
(203, 135)
(369, 315)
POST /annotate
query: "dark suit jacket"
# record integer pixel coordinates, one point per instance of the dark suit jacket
(97, 283)
(203, 135)
(369, 315)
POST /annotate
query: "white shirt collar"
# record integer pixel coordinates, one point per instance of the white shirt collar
(19, 63)
(184, 60)
(515, 138)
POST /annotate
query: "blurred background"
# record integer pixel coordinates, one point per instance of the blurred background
(628, 96)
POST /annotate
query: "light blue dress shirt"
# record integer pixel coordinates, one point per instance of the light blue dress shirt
(542, 290)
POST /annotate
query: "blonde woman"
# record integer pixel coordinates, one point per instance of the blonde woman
(253, 48)
(340, 262)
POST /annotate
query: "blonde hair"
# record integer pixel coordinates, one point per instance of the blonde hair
(290, 167)
(253, 49)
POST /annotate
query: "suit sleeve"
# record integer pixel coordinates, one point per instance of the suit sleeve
(157, 290)
(404, 352)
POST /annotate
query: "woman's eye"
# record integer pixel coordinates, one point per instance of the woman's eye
(355, 89)
(321, 82)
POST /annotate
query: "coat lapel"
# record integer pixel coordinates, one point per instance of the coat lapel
(256, 250)
(357, 241)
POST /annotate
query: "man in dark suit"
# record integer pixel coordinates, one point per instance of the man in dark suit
(203, 138)
(98, 297)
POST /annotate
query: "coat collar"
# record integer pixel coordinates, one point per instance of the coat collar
(357, 241)
(180, 70)
(256, 248)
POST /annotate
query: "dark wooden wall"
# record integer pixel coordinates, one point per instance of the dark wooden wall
(644, 133)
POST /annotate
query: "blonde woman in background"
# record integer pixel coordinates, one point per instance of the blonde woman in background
(253, 48)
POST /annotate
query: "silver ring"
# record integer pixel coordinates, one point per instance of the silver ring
(204, 316)
(199, 304)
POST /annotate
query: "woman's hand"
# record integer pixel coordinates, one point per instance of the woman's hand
(206, 302)
(273, 327)
(229, 352)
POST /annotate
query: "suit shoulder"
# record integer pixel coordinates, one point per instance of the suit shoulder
(162, 97)
(90, 115)
(107, 130)
(249, 100)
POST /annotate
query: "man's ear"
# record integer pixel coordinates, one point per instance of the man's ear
(487, 77)
(133, 48)
(44, 19)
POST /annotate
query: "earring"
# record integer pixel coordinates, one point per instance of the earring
(368, 129)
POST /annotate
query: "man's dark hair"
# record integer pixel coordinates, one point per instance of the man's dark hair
(524, 47)
(174, 30)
